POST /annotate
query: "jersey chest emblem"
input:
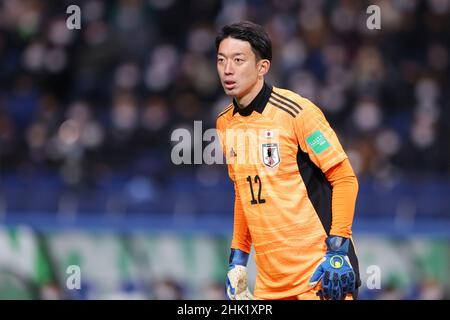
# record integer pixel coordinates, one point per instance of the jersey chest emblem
(270, 154)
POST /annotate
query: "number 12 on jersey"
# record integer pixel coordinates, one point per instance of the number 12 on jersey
(258, 181)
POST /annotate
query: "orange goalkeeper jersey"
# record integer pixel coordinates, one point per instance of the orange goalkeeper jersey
(278, 150)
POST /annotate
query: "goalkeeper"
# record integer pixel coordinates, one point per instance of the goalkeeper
(295, 190)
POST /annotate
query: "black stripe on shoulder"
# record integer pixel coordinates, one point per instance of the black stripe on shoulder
(286, 104)
(282, 108)
(225, 111)
(287, 99)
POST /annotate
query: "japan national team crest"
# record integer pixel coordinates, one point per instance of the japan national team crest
(270, 154)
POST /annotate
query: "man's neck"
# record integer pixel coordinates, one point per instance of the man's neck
(244, 101)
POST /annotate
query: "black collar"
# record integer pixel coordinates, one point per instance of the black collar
(258, 104)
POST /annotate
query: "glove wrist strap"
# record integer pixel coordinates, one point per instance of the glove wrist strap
(337, 244)
(238, 257)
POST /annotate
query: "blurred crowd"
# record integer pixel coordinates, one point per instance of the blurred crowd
(97, 105)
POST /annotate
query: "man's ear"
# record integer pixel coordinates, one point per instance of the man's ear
(264, 66)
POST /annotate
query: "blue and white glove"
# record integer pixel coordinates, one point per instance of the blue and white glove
(335, 270)
(237, 285)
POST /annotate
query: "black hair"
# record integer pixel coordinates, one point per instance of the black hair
(252, 33)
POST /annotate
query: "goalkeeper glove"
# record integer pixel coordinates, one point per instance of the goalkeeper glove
(237, 286)
(335, 270)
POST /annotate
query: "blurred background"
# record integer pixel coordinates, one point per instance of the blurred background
(86, 118)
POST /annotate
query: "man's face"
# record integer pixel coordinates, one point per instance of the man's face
(237, 67)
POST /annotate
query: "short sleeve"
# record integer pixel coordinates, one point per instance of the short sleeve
(317, 138)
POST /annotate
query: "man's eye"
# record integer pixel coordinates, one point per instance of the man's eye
(238, 60)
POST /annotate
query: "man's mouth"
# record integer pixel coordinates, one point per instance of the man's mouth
(229, 84)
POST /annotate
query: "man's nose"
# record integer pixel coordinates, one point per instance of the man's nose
(228, 68)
